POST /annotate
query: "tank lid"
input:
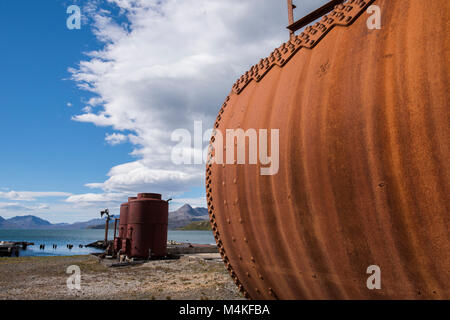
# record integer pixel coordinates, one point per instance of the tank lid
(131, 198)
(149, 196)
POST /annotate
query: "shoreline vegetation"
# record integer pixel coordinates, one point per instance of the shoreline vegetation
(44, 278)
(197, 226)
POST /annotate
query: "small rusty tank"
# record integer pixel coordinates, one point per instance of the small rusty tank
(120, 243)
(122, 227)
(147, 226)
(361, 191)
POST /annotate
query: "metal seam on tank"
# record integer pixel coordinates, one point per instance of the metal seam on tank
(342, 15)
(280, 56)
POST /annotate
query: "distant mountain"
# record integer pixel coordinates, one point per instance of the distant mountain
(32, 222)
(24, 222)
(185, 215)
(187, 210)
(3, 223)
(102, 226)
(84, 225)
(177, 219)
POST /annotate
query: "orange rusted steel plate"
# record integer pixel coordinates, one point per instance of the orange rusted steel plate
(364, 161)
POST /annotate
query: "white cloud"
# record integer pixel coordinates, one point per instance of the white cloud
(136, 176)
(87, 109)
(11, 206)
(43, 207)
(116, 138)
(89, 199)
(30, 196)
(172, 64)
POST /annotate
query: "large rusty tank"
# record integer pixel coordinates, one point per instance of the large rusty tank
(364, 160)
(147, 226)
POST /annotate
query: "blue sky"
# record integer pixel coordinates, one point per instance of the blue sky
(42, 148)
(87, 115)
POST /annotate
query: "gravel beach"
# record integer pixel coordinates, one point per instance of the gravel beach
(44, 278)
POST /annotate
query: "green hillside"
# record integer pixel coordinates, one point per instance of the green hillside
(197, 225)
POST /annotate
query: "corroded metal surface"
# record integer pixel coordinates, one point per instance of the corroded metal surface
(364, 161)
(147, 224)
(122, 227)
(342, 15)
(121, 242)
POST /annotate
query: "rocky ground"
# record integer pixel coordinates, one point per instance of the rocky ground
(189, 278)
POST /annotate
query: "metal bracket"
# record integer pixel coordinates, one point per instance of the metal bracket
(316, 14)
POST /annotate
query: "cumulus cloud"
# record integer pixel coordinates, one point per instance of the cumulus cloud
(22, 208)
(171, 63)
(96, 198)
(137, 176)
(115, 138)
(87, 109)
(30, 196)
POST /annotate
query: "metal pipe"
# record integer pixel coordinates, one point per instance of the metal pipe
(115, 228)
(291, 8)
(316, 14)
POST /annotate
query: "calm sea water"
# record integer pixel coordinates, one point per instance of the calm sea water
(76, 237)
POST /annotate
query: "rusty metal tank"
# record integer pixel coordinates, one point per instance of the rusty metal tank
(121, 241)
(147, 226)
(364, 160)
(122, 227)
